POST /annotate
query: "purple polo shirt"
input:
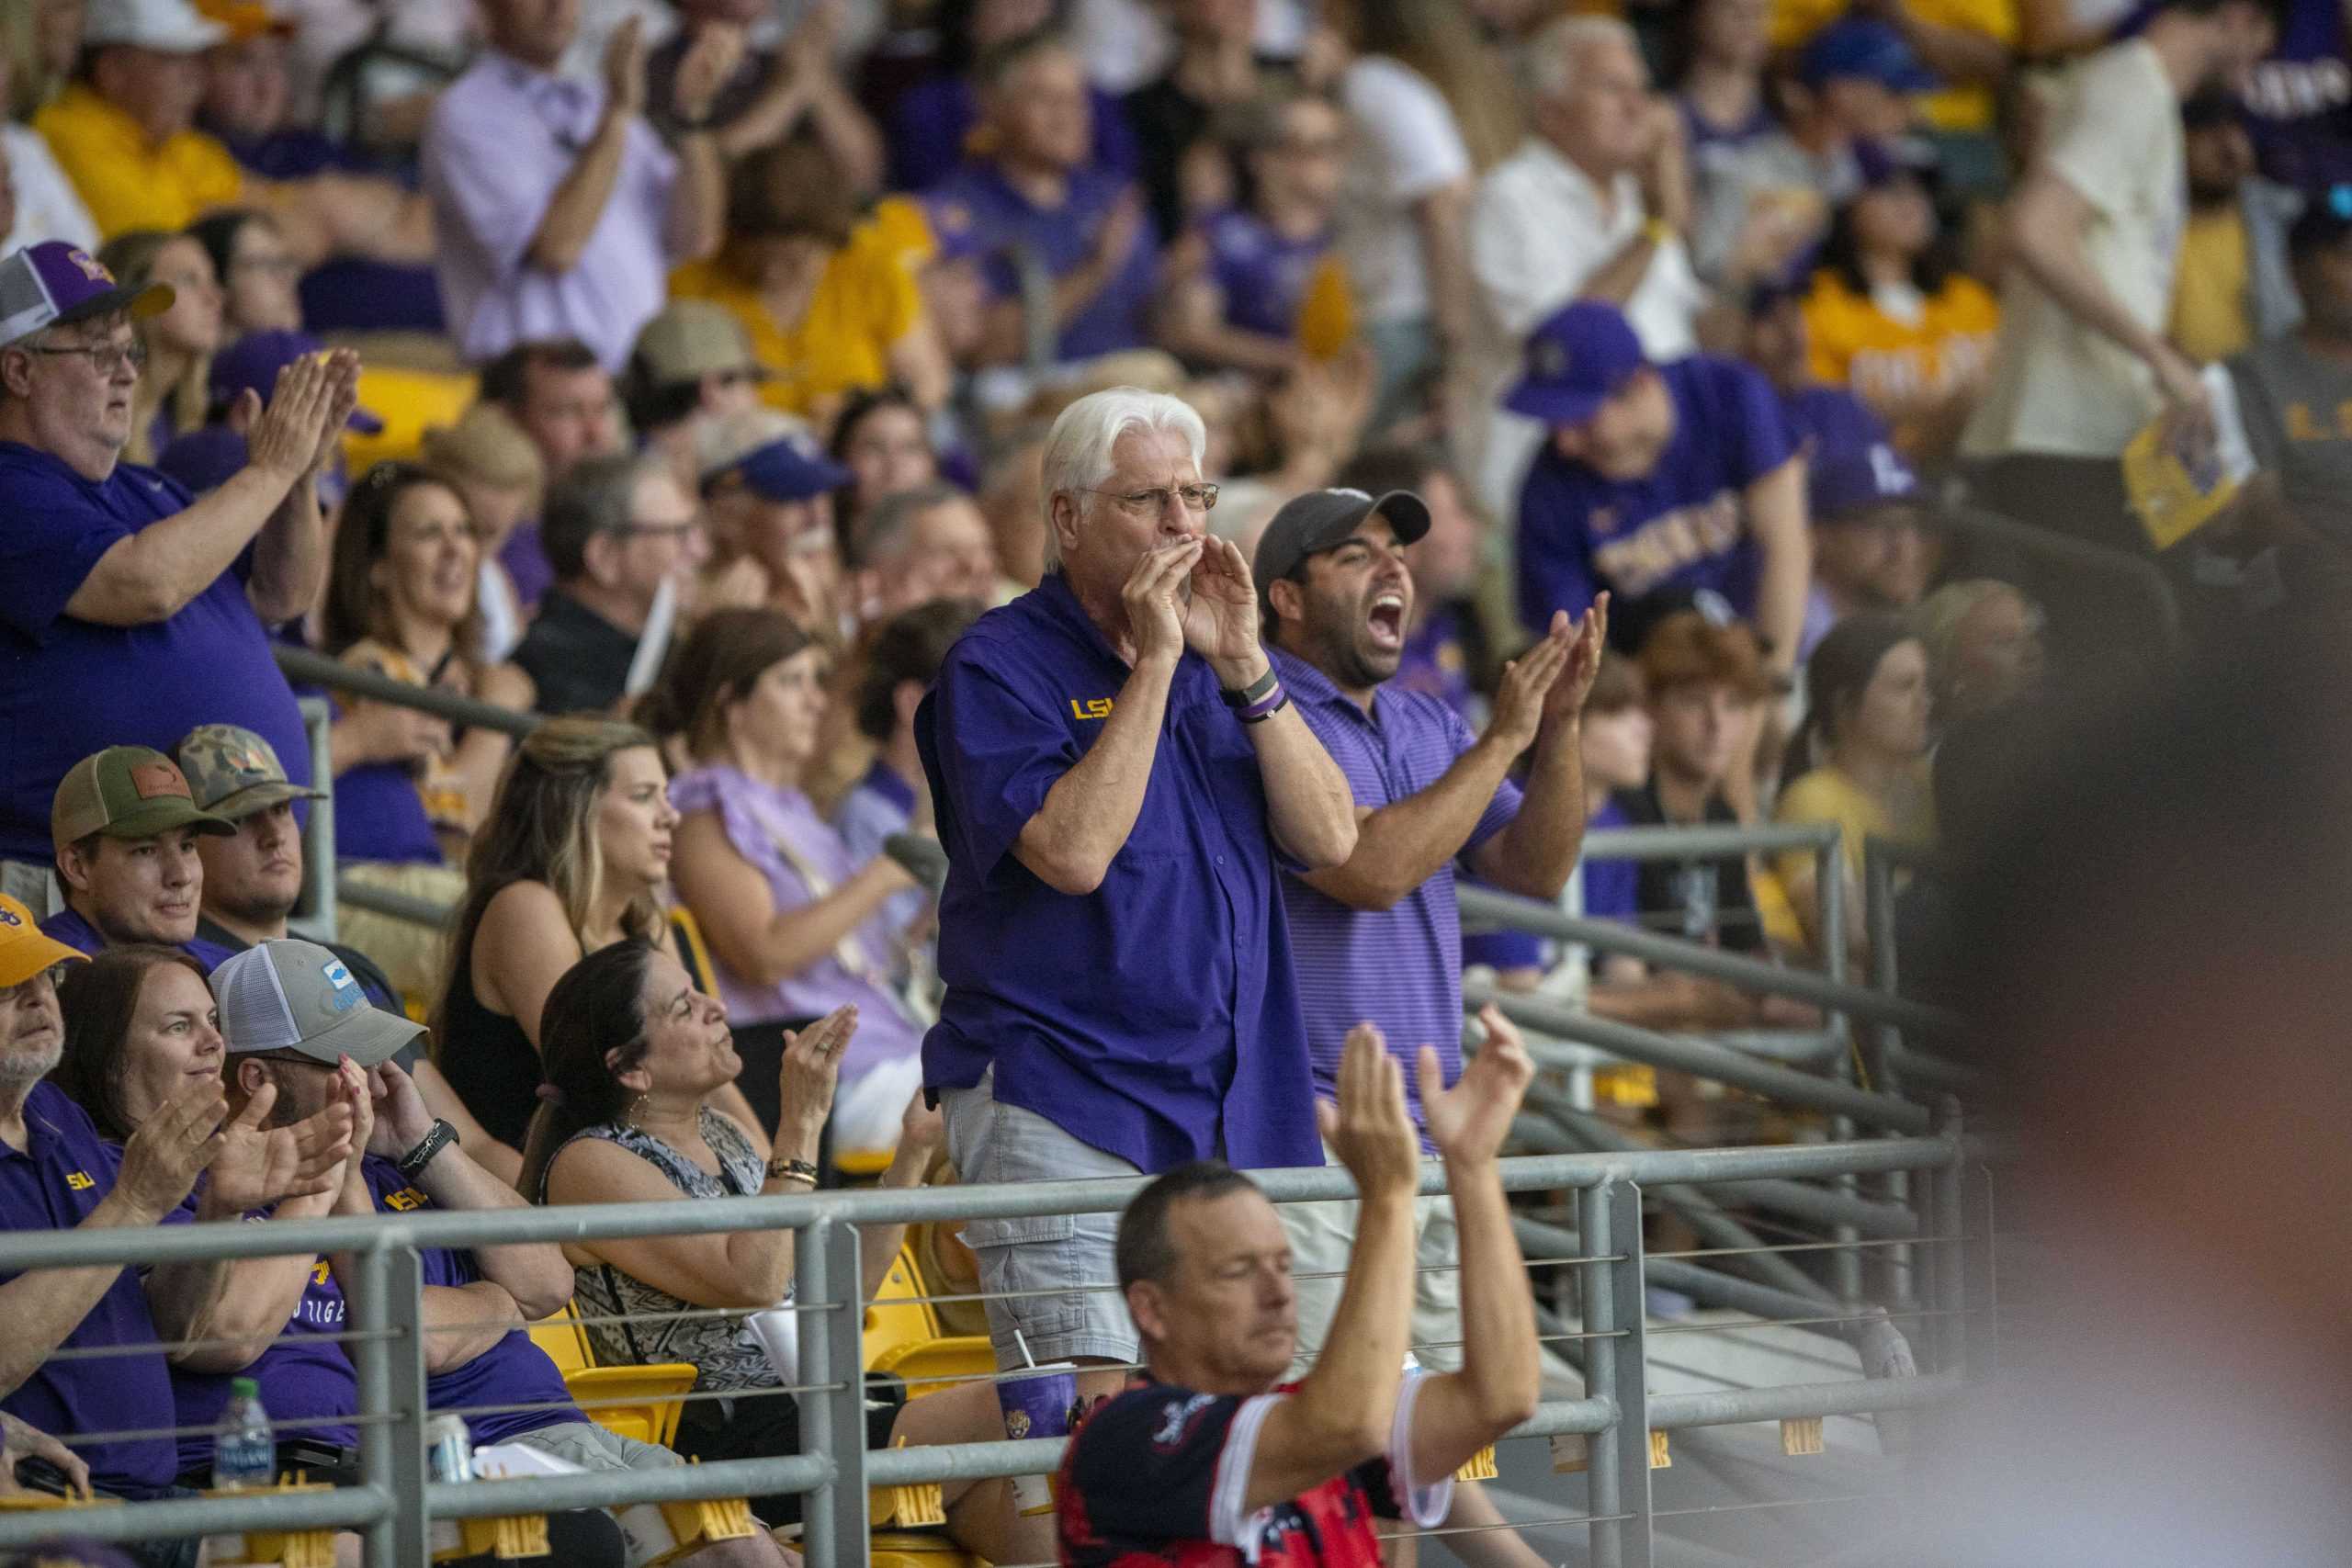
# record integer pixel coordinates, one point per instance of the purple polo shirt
(1262, 274)
(1157, 1018)
(65, 1169)
(502, 138)
(513, 1372)
(1684, 526)
(1398, 967)
(70, 687)
(68, 927)
(977, 198)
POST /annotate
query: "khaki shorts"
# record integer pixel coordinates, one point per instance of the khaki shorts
(1026, 1264)
(1322, 1238)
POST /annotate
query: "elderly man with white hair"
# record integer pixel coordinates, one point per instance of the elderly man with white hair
(1120, 780)
(1592, 206)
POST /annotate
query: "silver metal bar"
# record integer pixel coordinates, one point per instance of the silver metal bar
(490, 1227)
(834, 1520)
(1791, 1402)
(1609, 1220)
(1700, 1058)
(371, 1364)
(403, 1436)
(1490, 907)
(314, 919)
(1712, 1287)
(346, 1507)
(1703, 842)
(398, 906)
(317, 670)
(601, 1489)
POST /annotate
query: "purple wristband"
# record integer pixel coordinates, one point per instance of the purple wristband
(1265, 707)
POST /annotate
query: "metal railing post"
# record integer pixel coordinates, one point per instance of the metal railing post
(1952, 1267)
(1882, 1046)
(1829, 881)
(833, 1423)
(1608, 1221)
(1980, 1288)
(390, 1300)
(314, 912)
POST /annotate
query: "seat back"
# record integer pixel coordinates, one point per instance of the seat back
(897, 1315)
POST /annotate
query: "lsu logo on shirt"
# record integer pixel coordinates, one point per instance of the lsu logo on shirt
(1090, 707)
(80, 1180)
(407, 1198)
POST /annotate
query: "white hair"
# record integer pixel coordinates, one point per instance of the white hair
(1078, 448)
(1552, 54)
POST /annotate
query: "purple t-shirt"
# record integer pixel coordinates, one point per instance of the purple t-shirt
(501, 139)
(1436, 661)
(780, 835)
(1683, 526)
(976, 198)
(526, 564)
(1262, 274)
(68, 927)
(1156, 1018)
(69, 688)
(378, 816)
(65, 1169)
(1400, 967)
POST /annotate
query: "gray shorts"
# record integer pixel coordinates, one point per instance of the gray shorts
(595, 1448)
(1026, 1264)
(1322, 1240)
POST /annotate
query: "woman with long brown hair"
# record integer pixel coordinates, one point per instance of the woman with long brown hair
(174, 392)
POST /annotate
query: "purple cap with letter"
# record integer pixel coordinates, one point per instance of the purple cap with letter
(254, 363)
(1577, 358)
(52, 282)
(1852, 485)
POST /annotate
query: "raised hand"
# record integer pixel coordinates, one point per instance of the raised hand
(253, 1167)
(1153, 597)
(340, 373)
(1469, 1121)
(624, 69)
(1521, 696)
(710, 63)
(400, 1117)
(161, 1161)
(811, 1071)
(1369, 1129)
(22, 1440)
(1575, 684)
(283, 438)
(1221, 622)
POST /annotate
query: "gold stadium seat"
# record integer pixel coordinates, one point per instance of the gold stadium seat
(636, 1401)
(903, 1334)
(904, 1549)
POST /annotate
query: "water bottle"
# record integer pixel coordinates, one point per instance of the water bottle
(245, 1455)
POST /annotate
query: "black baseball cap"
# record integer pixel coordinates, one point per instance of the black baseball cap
(1315, 522)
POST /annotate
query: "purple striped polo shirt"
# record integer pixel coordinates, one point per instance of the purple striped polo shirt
(1400, 967)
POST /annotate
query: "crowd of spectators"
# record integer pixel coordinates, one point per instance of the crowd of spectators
(1049, 537)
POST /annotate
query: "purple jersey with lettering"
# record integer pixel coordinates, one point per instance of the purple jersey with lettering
(1683, 526)
(2299, 100)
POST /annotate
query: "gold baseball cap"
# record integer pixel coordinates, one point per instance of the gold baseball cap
(25, 951)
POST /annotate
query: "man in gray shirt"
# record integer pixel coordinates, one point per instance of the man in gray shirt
(2294, 390)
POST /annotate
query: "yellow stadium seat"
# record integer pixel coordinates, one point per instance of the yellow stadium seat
(927, 1365)
(897, 1315)
(902, 1549)
(636, 1401)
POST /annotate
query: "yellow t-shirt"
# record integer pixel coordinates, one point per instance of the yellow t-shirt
(864, 301)
(1951, 108)
(1825, 794)
(2208, 290)
(126, 183)
(1856, 343)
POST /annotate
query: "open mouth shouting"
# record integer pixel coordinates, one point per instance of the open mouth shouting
(1385, 621)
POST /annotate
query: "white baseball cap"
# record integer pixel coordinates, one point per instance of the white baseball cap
(289, 995)
(166, 26)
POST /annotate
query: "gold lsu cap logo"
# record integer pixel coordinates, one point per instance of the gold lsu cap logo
(92, 268)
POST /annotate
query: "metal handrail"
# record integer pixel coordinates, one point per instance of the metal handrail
(301, 665)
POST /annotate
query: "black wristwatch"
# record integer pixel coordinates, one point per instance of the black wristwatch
(427, 1148)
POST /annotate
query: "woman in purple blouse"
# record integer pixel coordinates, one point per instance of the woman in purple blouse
(794, 922)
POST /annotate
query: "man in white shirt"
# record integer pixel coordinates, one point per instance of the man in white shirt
(2094, 231)
(1592, 206)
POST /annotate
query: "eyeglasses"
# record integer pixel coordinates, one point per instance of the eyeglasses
(106, 358)
(1151, 503)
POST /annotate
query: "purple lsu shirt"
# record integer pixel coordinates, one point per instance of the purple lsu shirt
(1398, 967)
(1262, 274)
(71, 687)
(1683, 524)
(978, 197)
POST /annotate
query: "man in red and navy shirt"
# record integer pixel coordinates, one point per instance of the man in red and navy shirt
(1209, 1460)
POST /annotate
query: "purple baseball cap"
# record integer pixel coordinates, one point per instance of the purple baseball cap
(1577, 358)
(56, 281)
(254, 361)
(789, 470)
(1867, 49)
(1851, 484)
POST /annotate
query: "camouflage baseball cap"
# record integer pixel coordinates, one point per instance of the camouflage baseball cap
(126, 792)
(233, 773)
